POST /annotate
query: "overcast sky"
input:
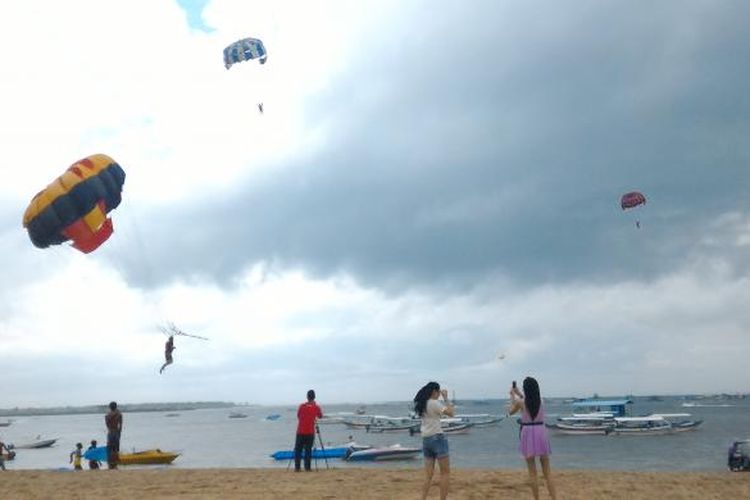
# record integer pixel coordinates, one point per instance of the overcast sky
(431, 185)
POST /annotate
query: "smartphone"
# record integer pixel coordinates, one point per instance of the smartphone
(514, 384)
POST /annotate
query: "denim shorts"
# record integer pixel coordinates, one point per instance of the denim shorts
(435, 446)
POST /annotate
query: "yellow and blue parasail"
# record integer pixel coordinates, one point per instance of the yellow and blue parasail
(75, 205)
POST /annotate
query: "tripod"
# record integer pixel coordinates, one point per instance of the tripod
(322, 448)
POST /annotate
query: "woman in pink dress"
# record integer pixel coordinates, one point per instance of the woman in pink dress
(534, 440)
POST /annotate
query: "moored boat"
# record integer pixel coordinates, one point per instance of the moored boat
(43, 443)
(480, 419)
(581, 424)
(680, 422)
(448, 426)
(640, 426)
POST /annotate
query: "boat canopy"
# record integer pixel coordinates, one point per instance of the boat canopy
(650, 418)
(616, 406)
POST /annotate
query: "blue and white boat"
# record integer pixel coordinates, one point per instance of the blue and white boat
(338, 452)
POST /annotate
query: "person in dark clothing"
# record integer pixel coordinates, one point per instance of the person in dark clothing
(307, 413)
(168, 348)
(113, 419)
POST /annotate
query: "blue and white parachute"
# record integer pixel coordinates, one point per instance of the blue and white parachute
(245, 50)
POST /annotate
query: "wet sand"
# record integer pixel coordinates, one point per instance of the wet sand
(367, 483)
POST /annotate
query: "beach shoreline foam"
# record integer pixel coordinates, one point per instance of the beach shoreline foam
(366, 483)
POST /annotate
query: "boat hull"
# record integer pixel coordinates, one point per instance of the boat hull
(382, 454)
(147, 457)
(39, 444)
(316, 453)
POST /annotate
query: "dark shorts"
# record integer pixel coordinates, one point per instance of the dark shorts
(435, 446)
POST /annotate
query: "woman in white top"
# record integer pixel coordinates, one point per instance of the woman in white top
(434, 445)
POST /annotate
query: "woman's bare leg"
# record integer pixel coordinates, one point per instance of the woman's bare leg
(531, 464)
(548, 477)
(445, 472)
(429, 468)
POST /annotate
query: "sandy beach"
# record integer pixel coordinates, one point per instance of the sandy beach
(362, 483)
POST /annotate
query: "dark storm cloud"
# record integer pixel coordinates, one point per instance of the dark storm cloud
(498, 139)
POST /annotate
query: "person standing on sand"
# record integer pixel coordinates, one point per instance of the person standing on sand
(113, 419)
(307, 413)
(434, 444)
(534, 439)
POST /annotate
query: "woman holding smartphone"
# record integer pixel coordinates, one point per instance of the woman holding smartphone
(434, 444)
(534, 439)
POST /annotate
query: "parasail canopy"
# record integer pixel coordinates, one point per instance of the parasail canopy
(245, 50)
(632, 200)
(75, 205)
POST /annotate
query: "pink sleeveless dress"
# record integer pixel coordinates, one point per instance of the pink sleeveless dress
(534, 439)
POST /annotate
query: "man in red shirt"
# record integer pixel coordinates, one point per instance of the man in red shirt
(307, 413)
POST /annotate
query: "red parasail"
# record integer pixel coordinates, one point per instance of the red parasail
(632, 199)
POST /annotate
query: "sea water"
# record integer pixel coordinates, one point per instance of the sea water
(209, 438)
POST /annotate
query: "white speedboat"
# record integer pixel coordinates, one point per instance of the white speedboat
(40, 443)
(395, 452)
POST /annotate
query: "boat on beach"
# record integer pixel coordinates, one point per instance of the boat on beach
(394, 452)
(333, 452)
(147, 457)
(338, 452)
(236, 414)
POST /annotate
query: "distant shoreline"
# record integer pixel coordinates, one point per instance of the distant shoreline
(201, 405)
(96, 409)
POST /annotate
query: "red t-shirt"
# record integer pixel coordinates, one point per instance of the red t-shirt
(306, 414)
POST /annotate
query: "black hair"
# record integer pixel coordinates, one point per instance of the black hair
(425, 393)
(310, 395)
(531, 396)
(112, 405)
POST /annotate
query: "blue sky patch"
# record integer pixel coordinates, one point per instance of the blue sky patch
(194, 10)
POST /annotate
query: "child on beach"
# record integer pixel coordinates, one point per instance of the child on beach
(75, 457)
(93, 464)
(434, 445)
(533, 434)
